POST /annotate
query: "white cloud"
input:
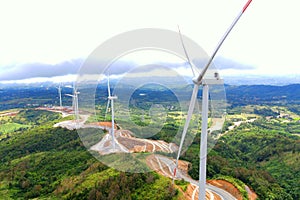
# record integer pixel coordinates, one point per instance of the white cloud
(35, 70)
(55, 79)
(51, 32)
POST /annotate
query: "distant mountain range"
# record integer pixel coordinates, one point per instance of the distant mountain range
(262, 80)
(263, 94)
(21, 96)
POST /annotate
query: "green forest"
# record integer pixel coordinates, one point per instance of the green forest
(51, 163)
(262, 155)
(39, 161)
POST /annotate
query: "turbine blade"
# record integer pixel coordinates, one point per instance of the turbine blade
(246, 5)
(185, 52)
(201, 75)
(188, 119)
(108, 86)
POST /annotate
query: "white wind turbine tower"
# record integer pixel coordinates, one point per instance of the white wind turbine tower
(59, 93)
(75, 101)
(110, 100)
(198, 80)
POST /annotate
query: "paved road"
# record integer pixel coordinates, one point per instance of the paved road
(181, 175)
(161, 160)
(73, 124)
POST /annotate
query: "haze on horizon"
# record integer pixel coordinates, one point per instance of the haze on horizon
(50, 39)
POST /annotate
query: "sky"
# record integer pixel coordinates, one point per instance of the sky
(44, 40)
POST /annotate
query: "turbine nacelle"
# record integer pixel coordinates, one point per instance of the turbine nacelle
(112, 98)
(69, 95)
(73, 95)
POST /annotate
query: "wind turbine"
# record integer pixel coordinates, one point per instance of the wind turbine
(198, 80)
(110, 100)
(59, 93)
(75, 101)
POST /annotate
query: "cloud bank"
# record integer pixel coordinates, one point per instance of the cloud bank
(39, 70)
(71, 67)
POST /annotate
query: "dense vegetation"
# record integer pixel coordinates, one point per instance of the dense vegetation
(52, 163)
(24, 120)
(24, 97)
(38, 160)
(264, 154)
(263, 94)
(30, 97)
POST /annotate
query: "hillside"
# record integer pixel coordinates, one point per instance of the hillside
(40, 161)
(264, 154)
(51, 163)
(263, 94)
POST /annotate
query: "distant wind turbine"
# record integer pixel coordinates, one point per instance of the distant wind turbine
(110, 100)
(200, 81)
(75, 101)
(59, 93)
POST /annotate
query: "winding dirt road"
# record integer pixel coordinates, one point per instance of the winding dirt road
(126, 143)
(167, 166)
